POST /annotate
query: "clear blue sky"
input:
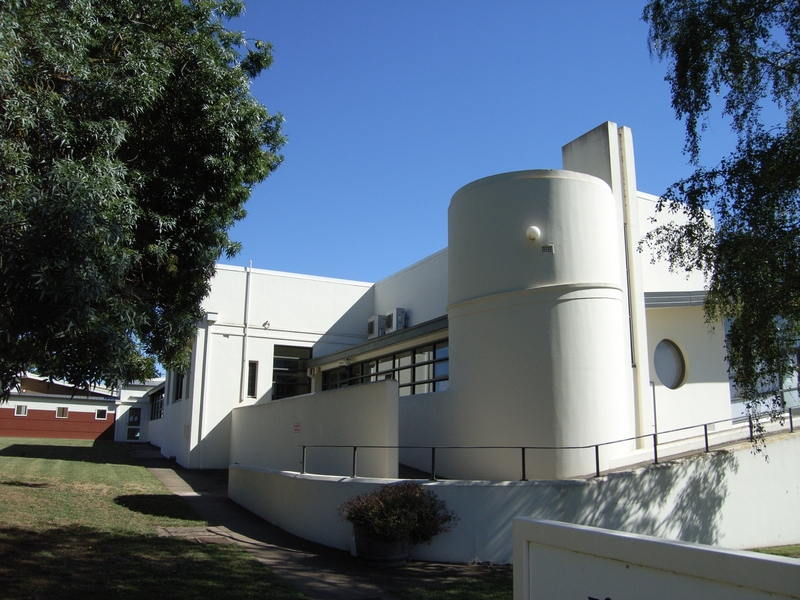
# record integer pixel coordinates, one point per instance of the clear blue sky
(391, 107)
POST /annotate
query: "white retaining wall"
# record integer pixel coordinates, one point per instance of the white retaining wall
(732, 499)
(559, 560)
(270, 435)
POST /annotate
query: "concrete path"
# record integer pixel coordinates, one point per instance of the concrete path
(321, 573)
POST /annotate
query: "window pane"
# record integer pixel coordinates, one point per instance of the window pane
(368, 371)
(441, 369)
(134, 416)
(423, 373)
(385, 364)
(289, 376)
(404, 359)
(296, 352)
(252, 378)
(404, 376)
(423, 354)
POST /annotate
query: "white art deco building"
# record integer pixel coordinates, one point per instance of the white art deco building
(541, 325)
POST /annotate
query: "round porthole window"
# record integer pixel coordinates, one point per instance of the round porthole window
(670, 364)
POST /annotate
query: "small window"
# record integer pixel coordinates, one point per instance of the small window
(21, 410)
(179, 386)
(101, 414)
(252, 378)
(669, 364)
(62, 412)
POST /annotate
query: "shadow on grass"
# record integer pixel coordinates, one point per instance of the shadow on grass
(27, 484)
(497, 585)
(158, 505)
(99, 452)
(79, 562)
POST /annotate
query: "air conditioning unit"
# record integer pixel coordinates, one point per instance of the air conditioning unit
(396, 320)
(376, 325)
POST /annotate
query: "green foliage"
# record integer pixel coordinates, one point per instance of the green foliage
(747, 52)
(401, 511)
(129, 143)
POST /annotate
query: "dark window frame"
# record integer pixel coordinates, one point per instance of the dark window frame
(179, 384)
(289, 376)
(252, 379)
(368, 371)
(157, 406)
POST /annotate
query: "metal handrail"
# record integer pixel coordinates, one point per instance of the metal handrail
(523, 449)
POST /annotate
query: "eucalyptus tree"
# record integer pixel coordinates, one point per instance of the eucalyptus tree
(129, 143)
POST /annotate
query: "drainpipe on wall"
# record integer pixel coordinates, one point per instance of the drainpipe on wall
(243, 380)
(638, 325)
(211, 318)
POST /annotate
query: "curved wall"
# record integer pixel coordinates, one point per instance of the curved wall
(537, 347)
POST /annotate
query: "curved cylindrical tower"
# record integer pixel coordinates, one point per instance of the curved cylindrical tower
(537, 326)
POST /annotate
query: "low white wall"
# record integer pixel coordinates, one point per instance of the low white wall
(270, 435)
(559, 560)
(732, 499)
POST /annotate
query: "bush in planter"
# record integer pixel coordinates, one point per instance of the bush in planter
(399, 512)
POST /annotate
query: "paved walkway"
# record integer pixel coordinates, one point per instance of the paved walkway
(321, 573)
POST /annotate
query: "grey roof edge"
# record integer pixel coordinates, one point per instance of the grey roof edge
(674, 299)
(404, 335)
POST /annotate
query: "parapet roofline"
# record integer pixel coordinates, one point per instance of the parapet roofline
(292, 275)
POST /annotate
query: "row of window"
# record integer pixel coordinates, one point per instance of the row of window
(62, 412)
(418, 370)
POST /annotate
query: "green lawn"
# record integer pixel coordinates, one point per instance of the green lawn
(77, 521)
(787, 551)
(495, 586)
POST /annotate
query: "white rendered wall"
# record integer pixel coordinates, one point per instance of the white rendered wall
(421, 289)
(537, 340)
(731, 499)
(560, 560)
(270, 435)
(282, 308)
(606, 152)
(657, 275)
(705, 396)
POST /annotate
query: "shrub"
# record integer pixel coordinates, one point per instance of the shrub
(401, 511)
